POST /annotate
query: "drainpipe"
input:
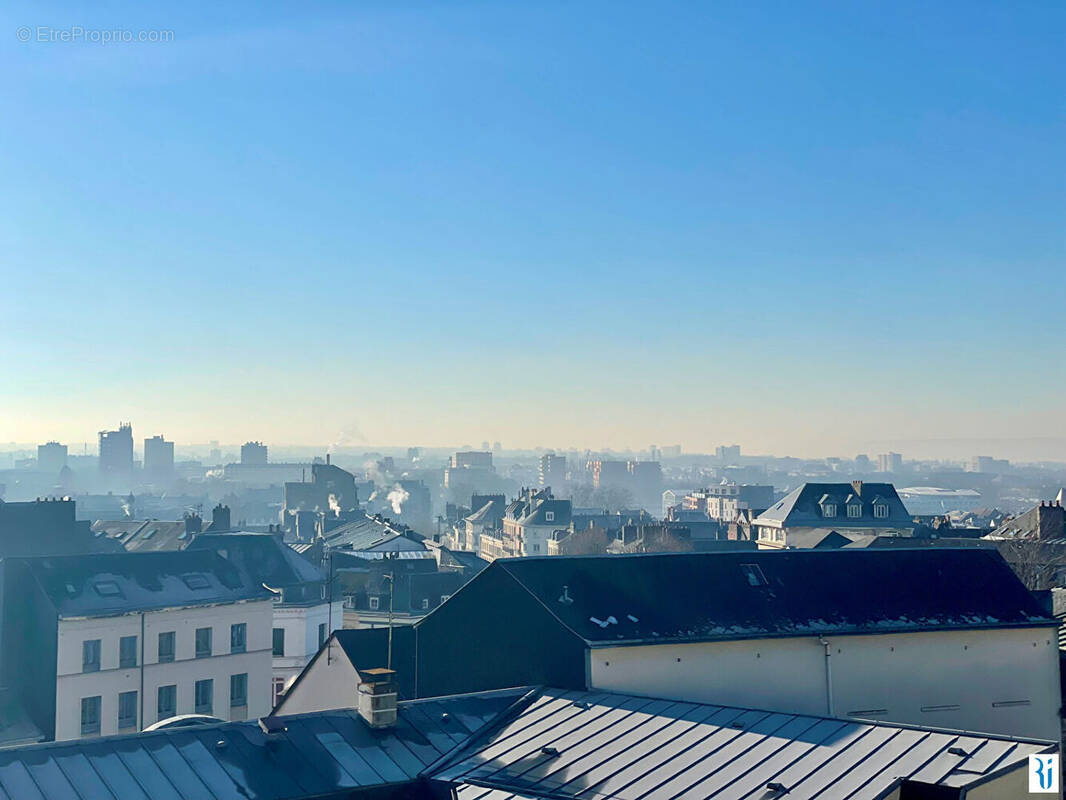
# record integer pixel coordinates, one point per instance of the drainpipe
(141, 695)
(828, 676)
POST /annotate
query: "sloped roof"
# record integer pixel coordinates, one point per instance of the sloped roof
(104, 584)
(701, 596)
(491, 511)
(144, 534)
(262, 557)
(371, 533)
(590, 744)
(801, 507)
(321, 755)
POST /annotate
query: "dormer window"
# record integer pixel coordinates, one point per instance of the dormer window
(549, 516)
(854, 510)
(829, 509)
(881, 510)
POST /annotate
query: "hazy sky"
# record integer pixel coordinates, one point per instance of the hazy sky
(802, 227)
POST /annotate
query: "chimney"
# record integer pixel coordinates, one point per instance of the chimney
(220, 520)
(377, 698)
(857, 486)
(327, 459)
(193, 524)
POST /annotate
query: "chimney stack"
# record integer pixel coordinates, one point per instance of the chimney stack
(377, 698)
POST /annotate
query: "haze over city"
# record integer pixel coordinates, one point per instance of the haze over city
(594, 225)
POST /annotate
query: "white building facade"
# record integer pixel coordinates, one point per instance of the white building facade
(118, 674)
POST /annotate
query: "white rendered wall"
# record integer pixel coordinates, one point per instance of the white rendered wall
(1003, 681)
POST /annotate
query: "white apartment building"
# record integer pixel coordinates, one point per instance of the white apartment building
(302, 617)
(102, 644)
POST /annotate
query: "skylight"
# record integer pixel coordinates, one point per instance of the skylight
(107, 588)
(195, 580)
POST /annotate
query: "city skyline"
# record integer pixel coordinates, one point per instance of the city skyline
(606, 225)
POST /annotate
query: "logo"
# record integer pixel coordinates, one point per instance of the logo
(1044, 774)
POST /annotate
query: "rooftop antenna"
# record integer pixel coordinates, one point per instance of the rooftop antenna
(392, 584)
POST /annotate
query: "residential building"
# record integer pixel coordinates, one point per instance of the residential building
(486, 517)
(150, 534)
(304, 614)
(988, 464)
(116, 450)
(807, 514)
(47, 527)
(51, 457)
(528, 523)
(99, 644)
(253, 453)
(158, 458)
(878, 634)
(724, 502)
(607, 474)
(551, 470)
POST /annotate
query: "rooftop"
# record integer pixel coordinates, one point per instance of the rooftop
(803, 507)
(610, 600)
(587, 744)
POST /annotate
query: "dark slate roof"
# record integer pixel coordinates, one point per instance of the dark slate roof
(492, 511)
(373, 533)
(320, 755)
(800, 507)
(145, 535)
(589, 744)
(699, 596)
(367, 648)
(261, 557)
(105, 584)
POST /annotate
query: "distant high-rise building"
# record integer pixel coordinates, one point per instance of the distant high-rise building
(551, 470)
(646, 483)
(862, 462)
(989, 464)
(159, 457)
(889, 462)
(253, 453)
(51, 457)
(496, 447)
(672, 451)
(413, 453)
(472, 460)
(609, 473)
(654, 453)
(116, 449)
(728, 452)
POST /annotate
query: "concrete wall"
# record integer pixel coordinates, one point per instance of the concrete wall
(72, 684)
(1002, 681)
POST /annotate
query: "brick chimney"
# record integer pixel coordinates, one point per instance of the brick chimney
(220, 520)
(1050, 521)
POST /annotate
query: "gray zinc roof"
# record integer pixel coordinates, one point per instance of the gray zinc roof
(587, 744)
(801, 507)
(322, 755)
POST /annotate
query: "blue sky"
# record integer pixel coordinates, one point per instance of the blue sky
(806, 228)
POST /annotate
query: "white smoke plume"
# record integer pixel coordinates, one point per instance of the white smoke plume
(397, 497)
(334, 504)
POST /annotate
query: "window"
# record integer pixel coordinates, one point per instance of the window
(127, 710)
(321, 633)
(90, 655)
(127, 651)
(203, 642)
(375, 603)
(107, 589)
(238, 637)
(166, 647)
(167, 702)
(829, 509)
(238, 690)
(205, 696)
(881, 511)
(90, 715)
(425, 603)
(279, 641)
(549, 516)
(279, 690)
(854, 510)
(444, 597)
